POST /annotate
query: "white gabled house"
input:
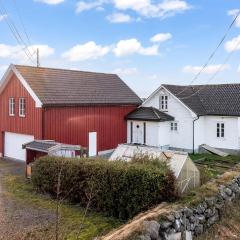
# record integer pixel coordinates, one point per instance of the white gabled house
(185, 117)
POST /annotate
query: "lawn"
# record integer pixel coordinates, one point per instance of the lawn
(211, 165)
(72, 224)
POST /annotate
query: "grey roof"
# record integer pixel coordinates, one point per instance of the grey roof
(149, 114)
(48, 146)
(69, 87)
(222, 99)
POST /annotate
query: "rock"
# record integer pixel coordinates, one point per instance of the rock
(188, 235)
(192, 219)
(210, 201)
(171, 218)
(174, 236)
(228, 191)
(213, 219)
(198, 229)
(152, 229)
(235, 188)
(200, 209)
(201, 219)
(187, 212)
(144, 237)
(178, 215)
(223, 195)
(177, 225)
(165, 224)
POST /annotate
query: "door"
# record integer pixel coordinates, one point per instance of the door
(92, 144)
(13, 145)
(138, 133)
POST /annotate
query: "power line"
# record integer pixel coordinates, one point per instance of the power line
(215, 74)
(15, 32)
(212, 55)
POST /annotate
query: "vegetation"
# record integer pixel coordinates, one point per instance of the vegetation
(116, 188)
(71, 215)
(211, 165)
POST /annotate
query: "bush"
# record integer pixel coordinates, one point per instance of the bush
(116, 188)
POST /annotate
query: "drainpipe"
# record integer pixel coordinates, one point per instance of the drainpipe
(194, 133)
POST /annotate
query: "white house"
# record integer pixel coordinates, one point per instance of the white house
(185, 117)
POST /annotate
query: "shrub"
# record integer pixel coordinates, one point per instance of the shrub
(116, 188)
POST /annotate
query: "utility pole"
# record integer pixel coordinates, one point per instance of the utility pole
(38, 63)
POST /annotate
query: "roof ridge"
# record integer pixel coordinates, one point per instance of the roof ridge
(62, 69)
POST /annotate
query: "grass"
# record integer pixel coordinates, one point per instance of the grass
(211, 165)
(19, 189)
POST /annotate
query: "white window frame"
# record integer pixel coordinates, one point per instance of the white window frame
(220, 130)
(163, 102)
(22, 107)
(11, 106)
(174, 126)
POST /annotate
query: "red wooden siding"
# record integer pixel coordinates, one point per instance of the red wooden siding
(31, 124)
(71, 125)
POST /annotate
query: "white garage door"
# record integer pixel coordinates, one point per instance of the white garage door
(13, 145)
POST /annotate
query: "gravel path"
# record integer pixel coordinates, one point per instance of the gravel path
(18, 221)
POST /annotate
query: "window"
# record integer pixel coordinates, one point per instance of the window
(164, 102)
(22, 107)
(220, 130)
(11, 106)
(174, 126)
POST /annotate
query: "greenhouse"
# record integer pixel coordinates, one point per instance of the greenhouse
(186, 172)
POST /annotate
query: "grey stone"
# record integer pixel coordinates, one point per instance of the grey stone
(213, 219)
(174, 236)
(178, 214)
(165, 224)
(210, 201)
(144, 237)
(192, 219)
(152, 229)
(177, 225)
(171, 218)
(228, 191)
(201, 219)
(187, 212)
(198, 229)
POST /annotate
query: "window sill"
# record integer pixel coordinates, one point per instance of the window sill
(22, 116)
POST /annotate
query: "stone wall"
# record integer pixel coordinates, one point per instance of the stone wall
(188, 222)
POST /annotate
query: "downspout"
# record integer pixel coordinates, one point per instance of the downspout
(194, 133)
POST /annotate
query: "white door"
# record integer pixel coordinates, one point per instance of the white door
(138, 132)
(92, 144)
(13, 145)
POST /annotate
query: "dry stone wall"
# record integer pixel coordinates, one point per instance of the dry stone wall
(189, 222)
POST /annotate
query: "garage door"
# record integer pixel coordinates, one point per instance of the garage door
(13, 145)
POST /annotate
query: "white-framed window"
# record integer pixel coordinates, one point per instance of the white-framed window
(220, 130)
(11, 106)
(22, 107)
(174, 126)
(163, 102)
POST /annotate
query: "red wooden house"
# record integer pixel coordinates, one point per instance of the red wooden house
(71, 107)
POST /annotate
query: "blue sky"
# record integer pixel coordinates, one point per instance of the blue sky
(146, 42)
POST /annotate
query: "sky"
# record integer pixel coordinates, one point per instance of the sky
(146, 42)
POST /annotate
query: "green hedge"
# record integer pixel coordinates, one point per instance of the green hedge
(117, 188)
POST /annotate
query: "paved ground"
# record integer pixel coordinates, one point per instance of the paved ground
(18, 221)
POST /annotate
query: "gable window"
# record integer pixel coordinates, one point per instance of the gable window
(164, 102)
(220, 130)
(174, 126)
(11, 107)
(22, 107)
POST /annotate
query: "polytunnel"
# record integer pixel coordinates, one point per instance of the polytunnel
(184, 169)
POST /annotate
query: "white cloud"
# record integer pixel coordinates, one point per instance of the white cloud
(3, 69)
(89, 50)
(2, 17)
(238, 69)
(211, 69)
(148, 9)
(119, 18)
(51, 2)
(233, 45)
(234, 13)
(125, 71)
(17, 52)
(161, 37)
(85, 6)
(132, 46)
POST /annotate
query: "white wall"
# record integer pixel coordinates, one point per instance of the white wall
(183, 137)
(231, 139)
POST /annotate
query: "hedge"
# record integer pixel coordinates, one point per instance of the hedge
(116, 188)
